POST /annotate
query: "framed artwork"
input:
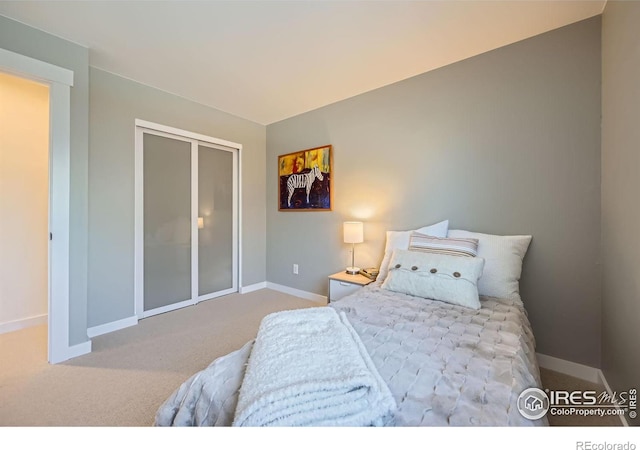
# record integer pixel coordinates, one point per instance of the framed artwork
(305, 180)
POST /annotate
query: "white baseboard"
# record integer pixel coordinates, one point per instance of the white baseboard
(20, 324)
(576, 370)
(297, 292)
(79, 350)
(603, 381)
(581, 371)
(112, 326)
(71, 352)
(253, 287)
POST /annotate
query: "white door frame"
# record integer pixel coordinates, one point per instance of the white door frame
(141, 127)
(60, 81)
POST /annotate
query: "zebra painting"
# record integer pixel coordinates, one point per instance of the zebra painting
(305, 171)
(302, 181)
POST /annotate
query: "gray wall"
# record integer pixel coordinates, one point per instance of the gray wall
(28, 41)
(507, 142)
(620, 187)
(115, 104)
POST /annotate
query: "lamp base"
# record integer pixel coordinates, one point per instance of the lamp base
(353, 270)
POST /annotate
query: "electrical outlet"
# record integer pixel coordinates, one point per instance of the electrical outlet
(295, 269)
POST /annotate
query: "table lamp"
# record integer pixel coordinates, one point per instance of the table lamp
(353, 234)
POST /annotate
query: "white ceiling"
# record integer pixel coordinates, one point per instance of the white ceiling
(269, 60)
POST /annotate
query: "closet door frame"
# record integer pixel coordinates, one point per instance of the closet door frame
(195, 139)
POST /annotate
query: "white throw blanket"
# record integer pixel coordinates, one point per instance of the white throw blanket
(308, 367)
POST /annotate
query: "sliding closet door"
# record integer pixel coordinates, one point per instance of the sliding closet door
(167, 221)
(187, 221)
(217, 259)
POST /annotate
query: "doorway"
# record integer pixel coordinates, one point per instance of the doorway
(60, 81)
(24, 202)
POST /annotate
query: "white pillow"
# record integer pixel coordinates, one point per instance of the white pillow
(400, 240)
(447, 278)
(503, 262)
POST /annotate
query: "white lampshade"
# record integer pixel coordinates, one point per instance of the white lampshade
(353, 232)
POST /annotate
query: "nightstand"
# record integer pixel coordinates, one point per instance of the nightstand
(342, 284)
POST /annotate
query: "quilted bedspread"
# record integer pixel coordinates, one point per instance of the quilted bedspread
(445, 365)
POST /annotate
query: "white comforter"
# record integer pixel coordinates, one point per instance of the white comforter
(444, 364)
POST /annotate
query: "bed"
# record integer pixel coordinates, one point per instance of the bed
(445, 363)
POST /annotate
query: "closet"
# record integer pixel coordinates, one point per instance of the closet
(186, 218)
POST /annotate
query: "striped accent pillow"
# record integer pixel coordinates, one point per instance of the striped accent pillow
(445, 246)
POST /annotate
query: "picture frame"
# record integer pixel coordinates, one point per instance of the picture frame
(305, 180)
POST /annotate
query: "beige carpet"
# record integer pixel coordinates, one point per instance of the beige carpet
(129, 372)
(132, 371)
